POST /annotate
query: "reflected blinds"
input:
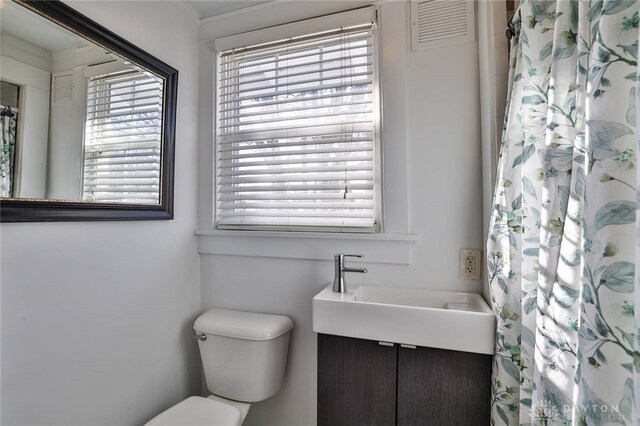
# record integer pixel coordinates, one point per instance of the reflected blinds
(296, 144)
(123, 133)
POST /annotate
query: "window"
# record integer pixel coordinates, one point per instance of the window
(297, 133)
(123, 132)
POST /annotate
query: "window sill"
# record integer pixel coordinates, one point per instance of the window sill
(377, 248)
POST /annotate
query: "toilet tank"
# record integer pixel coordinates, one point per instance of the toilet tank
(244, 354)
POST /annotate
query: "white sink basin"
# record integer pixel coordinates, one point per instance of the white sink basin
(435, 319)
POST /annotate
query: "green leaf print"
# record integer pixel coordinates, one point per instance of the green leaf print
(563, 52)
(565, 296)
(611, 7)
(528, 187)
(502, 414)
(546, 51)
(510, 368)
(615, 213)
(626, 404)
(588, 334)
(626, 336)
(596, 10)
(602, 134)
(601, 326)
(527, 152)
(599, 356)
(630, 49)
(533, 100)
(517, 203)
(619, 277)
(529, 305)
(559, 159)
(527, 337)
(503, 285)
(563, 193)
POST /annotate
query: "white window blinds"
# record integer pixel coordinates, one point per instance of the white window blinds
(296, 146)
(123, 133)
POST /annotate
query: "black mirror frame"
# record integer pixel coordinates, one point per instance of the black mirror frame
(29, 210)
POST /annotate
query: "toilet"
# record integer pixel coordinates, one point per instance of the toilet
(244, 355)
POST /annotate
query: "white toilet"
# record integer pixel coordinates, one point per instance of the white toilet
(244, 355)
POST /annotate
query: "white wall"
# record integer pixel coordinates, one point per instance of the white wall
(440, 120)
(96, 317)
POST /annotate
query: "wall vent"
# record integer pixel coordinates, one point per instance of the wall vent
(62, 88)
(437, 23)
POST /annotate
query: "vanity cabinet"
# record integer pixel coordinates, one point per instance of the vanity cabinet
(364, 382)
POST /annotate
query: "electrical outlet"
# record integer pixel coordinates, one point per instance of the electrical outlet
(470, 264)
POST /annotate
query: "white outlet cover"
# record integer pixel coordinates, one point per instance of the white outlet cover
(462, 272)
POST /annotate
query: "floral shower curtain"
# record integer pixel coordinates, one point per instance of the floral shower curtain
(564, 239)
(8, 128)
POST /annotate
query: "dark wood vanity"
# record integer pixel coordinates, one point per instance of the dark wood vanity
(365, 382)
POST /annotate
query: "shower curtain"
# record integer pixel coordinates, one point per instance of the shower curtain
(8, 128)
(563, 245)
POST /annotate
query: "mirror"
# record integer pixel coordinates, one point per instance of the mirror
(87, 120)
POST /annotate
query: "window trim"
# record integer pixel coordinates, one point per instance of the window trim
(295, 29)
(378, 248)
(279, 34)
(396, 165)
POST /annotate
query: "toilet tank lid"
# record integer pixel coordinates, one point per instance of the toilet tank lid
(242, 325)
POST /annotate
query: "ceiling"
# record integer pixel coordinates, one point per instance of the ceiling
(26, 25)
(208, 8)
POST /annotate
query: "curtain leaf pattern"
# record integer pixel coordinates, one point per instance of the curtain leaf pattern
(563, 238)
(8, 127)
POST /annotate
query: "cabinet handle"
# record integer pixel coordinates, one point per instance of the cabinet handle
(386, 344)
(407, 346)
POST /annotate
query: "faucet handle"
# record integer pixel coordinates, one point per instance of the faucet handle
(339, 286)
(348, 255)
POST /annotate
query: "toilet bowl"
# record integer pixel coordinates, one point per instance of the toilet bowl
(244, 355)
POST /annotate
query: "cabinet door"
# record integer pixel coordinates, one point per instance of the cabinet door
(440, 387)
(356, 382)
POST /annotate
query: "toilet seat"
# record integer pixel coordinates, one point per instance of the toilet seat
(243, 407)
(198, 411)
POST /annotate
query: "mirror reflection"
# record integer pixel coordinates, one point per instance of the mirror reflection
(78, 122)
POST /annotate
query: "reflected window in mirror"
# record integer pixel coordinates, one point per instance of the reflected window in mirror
(91, 136)
(123, 132)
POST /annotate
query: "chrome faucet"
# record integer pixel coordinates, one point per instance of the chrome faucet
(339, 285)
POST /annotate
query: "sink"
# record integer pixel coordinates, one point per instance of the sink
(435, 319)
